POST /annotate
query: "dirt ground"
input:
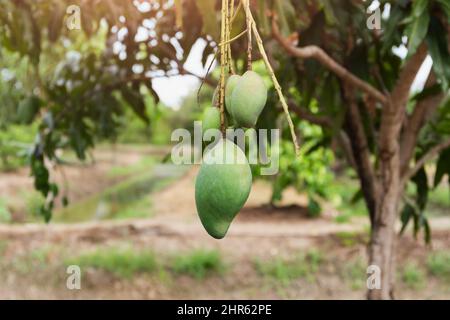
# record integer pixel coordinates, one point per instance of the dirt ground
(260, 232)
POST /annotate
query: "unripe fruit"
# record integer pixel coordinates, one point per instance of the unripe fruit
(27, 109)
(211, 119)
(229, 88)
(222, 187)
(248, 99)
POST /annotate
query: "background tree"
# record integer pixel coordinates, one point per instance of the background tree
(337, 73)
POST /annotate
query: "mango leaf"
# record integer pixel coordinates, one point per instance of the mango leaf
(445, 5)
(418, 27)
(391, 28)
(136, 102)
(314, 208)
(442, 167)
(421, 181)
(438, 48)
(407, 213)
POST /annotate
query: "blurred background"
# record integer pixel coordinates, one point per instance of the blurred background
(90, 93)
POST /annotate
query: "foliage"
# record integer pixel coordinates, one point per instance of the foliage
(5, 215)
(413, 276)
(438, 264)
(124, 263)
(285, 271)
(199, 263)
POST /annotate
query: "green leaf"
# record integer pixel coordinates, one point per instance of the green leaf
(136, 102)
(442, 167)
(421, 181)
(438, 48)
(407, 213)
(314, 208)
(418, 26)
(426, 229)
(445, 5)
(391, 27)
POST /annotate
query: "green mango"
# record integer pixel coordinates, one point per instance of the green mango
(211, 119)
(248, 99)
(28, 109)
(222, 187)
(229, 88)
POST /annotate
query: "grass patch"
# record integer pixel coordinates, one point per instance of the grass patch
(354, 273)
(347, 239)
(284, 271)
(438, 264)
(199, 263)
(131, 198)
(32, 261)
(350, 239)
(5, 214)
(146, 163)
(124, 263)
(413, 277)
(138, 209)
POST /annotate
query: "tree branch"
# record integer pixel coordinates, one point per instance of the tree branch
(394, 112)
(307, 115)
(360, 149)
(321, 56)
(416, 121)
(401, 91)
(433, 152)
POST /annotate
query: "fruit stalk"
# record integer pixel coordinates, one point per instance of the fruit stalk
(276, 84)
(249, 34)
(223, 62)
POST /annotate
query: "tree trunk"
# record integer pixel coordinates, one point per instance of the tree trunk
(383, 238)
(382, 247)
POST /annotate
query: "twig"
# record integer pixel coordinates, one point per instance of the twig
(275, 82)
(223, 62)
(433, 152)
(228, 35)
(320, 55)
(234, 38)
(249, 34)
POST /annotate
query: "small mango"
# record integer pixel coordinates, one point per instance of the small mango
(211, 119)
(229, 88)
(248, 99)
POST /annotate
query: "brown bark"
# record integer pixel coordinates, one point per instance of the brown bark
(361, 154)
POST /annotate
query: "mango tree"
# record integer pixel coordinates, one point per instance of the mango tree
(345, 69)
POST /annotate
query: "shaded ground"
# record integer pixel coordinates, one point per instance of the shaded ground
(268, 253)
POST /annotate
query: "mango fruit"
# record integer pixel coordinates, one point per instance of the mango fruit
(28, 109)
(248, 99)
(211, 119)
(229, 88)
(222, 187)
